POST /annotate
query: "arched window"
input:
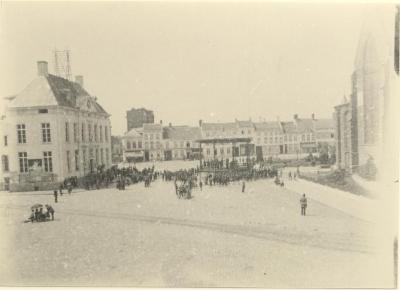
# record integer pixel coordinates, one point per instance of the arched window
(134, 145)
(128, 145)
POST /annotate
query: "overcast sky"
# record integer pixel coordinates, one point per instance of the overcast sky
(190, 61)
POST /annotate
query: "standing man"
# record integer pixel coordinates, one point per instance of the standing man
(243, 186)
(69, 187)
(303, 204)
(201, 185)
(50, 210)
(55, 196)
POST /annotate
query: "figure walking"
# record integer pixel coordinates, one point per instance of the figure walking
(243, 186)
(303, 204)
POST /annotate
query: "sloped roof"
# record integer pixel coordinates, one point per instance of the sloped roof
(267, 126)
(324, 124)
(182, 133)
(289, 127)
(245, 124)
(219, 126)
(52, 90)
(152, 127)
(304, 125)
(135, 132)
(37, 93)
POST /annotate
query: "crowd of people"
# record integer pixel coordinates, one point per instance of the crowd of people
(225, 164)
(226, 177)
(212, 173)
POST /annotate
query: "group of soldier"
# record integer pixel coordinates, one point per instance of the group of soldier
(224, 164)
(184, 180)
(225, 177)
(131, 175)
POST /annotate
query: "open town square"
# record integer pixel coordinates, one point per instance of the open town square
(199, 144)
(146, 236)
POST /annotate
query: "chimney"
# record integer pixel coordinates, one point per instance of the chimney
(42, 68)
(296, 116)
(161, 122)
(200, 123)
(313, 116)
(170, 124)
(79, 80)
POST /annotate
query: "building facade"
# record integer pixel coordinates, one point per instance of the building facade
(137, 117)
(343, 133)
(373, 129)
(132, 144)
(180, 142)
(52, 130)
(284, 140)
(226, 151)
(152, 142)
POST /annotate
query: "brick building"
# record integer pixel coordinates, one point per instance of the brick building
(137, 117)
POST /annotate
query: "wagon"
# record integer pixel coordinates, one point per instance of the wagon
(37, 214)
(184, 191)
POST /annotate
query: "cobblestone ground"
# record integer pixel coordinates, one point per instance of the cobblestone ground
(221, 237)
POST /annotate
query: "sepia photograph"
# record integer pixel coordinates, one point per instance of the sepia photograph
(199, 144)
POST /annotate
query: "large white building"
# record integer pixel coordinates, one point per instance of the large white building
(52, 130)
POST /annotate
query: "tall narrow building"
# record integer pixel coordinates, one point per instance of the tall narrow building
(135, 118)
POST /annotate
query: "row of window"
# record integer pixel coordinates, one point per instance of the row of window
(155, 145)
(98, 157)
(132, 145)
(221, 151)
(218, 133)
(273, 136)
(287, 138)
(46, 133)
(152, 136)
(48, 159)
(95, 132)
(21, 133)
